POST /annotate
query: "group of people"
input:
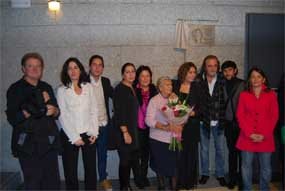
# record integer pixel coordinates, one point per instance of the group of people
(243, 112)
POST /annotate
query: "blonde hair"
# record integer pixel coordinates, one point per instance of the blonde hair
(160, 80)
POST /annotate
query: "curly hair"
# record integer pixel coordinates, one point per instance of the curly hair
(183, 70)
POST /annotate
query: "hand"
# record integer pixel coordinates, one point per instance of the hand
(92, 140)
(256, 138)
(79, 142)
(46, 96)
(51, 110)
(192, 113)
(260, 138)
(127, 138)
(26, 114)
(175, 128)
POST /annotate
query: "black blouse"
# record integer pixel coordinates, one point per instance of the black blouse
(191, 130)
(126, 114)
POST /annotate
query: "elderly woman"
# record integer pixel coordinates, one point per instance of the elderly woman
(163, 161)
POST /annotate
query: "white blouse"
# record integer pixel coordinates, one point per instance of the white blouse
(78, 113)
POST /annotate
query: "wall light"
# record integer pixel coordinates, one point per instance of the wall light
(54, 5)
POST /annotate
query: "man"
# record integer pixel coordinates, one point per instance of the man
(233, 87)
(103, 91)
(32, 110)
(212, 117)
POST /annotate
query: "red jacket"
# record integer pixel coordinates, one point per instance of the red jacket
(257, 115)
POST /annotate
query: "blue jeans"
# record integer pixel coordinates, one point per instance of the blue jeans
(218, 135)
(265, 170)
(101, 145)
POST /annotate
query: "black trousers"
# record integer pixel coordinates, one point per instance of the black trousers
(40, 172)
(234, 160)
(128, 160)
(70, 164)
(141, 164)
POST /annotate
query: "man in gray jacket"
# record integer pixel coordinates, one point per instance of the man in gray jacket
(233, 87)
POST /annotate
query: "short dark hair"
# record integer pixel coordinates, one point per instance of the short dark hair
(229, 64)
(209, 57)
(30, 55)
(125, 66)
(140, 69)
(183, 70)
(96, 57)
(261, 72)
(65, 79)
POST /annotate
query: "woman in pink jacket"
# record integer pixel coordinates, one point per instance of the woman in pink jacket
(257, 114)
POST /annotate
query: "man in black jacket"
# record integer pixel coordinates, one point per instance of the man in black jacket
(233, 87)
(32, 110)
(212, 110)
(103, 92)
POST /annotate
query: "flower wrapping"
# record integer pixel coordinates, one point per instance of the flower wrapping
(177, 113)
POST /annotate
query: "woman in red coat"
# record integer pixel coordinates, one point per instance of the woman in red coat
(257, 114)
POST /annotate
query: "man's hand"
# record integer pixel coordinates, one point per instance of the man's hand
(26, 114)
(46, 96)
(52, 110)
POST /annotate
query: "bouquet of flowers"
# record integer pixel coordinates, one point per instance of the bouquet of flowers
(177, 113)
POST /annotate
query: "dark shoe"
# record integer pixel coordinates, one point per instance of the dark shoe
(231, 184)
(139, 184)
(129, 188)
(204, 179)
(146, 182)
(222, 181)
(161, 183)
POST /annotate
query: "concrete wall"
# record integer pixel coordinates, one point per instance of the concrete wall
(138, 31)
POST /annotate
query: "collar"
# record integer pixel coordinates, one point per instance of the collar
(94, 82)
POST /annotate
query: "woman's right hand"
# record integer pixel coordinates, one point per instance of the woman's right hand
(79, 143)
(127, 138)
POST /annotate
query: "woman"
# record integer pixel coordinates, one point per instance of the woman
(187, 89)
(125, 119)
(145, 90)
(163, 161)
(79, 121)
(257, 114)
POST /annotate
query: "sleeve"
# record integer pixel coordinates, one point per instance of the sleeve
(65, 118)
(94, 128)
(273, 115)
(110, 89)
(241, 116)
(121, 107)
(53, 100)
(150, 114)
(14, 113)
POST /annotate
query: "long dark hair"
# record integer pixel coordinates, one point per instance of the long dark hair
(261, 72)
(203, 67)
(183, 70)
(65, 79)
(140, 69)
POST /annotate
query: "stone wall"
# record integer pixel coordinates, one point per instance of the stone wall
(138, 31)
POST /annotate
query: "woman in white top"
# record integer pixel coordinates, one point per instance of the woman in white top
(78, 119)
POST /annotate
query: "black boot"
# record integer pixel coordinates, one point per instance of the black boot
(161, 182)
(173, 183)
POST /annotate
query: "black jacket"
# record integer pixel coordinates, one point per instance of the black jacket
(126, 114)
(212, 107)
(38, 133)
